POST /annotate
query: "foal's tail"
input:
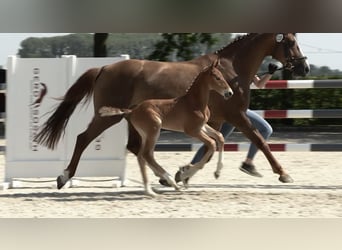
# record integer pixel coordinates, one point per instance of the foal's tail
(111, 111)
(53, 128)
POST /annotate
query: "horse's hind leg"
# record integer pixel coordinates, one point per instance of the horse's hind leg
(134, 140)
(95, 128)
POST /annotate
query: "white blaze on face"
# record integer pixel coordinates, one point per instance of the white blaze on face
(306, 60)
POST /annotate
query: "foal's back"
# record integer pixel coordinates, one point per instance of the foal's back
(189, 111)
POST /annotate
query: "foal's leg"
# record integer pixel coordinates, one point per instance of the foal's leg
(220, 143)
(158, 170)
(149, 130)
(142, 165)
(200, 153)
(190, 170)
(95, 128)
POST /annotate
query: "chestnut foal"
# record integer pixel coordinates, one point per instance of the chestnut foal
(188, 113)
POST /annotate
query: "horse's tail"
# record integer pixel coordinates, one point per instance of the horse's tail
(112, 111)
(54, 127)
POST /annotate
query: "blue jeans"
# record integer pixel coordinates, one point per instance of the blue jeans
(258, 122)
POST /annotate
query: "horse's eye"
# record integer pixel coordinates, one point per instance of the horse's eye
(216, 76)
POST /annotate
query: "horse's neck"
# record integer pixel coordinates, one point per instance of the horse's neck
(245, 55)
(204, 60)
(198, 93)
(248, 59)
(230, 50)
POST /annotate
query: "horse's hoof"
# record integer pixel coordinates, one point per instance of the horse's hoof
(217, 175)
(285, 178)
(164, 182)
(60, 182)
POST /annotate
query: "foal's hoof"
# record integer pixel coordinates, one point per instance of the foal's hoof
(285, 178)
(60, 182)
(178, 178)
(151, 194)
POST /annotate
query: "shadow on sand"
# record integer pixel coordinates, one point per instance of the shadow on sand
(138, 194)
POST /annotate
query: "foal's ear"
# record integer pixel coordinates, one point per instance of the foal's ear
(216, 62)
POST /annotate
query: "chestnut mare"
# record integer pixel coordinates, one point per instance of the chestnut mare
(188, 113)
(130, 82)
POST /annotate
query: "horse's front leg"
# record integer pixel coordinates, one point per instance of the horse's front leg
(246, 127)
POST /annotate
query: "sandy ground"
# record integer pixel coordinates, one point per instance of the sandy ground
(316, 192)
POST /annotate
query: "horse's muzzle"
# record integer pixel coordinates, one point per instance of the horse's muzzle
(301, 70)
(227, 94)
(300, 67)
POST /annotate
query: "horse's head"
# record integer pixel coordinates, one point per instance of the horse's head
(287, 51)
(218, 83)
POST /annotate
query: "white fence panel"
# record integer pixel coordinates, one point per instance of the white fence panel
(32, 86)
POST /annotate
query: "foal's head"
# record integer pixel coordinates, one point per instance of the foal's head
(287, 51)
(217, 81)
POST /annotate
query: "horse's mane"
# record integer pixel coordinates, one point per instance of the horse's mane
(229, 49)
(239, 41)
(197, 76)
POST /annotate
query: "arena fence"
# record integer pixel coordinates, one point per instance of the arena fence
(280, 114)
(270, 114)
